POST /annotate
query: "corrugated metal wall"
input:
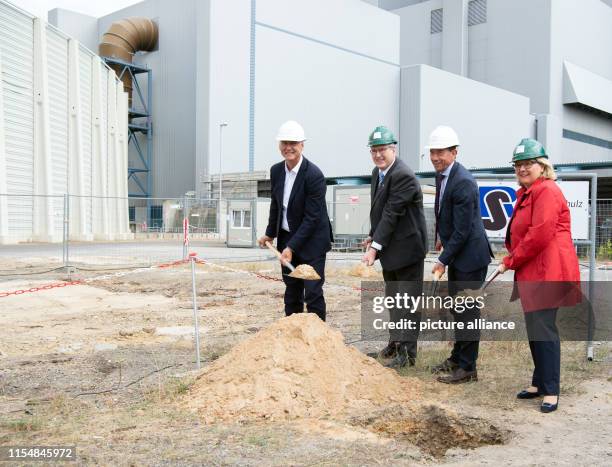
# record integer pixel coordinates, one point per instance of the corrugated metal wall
(48, 136)
(104, 126)
(86, 96)
(57, 67)
(16, 47)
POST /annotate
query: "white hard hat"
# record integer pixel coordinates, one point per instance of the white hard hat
(442, 137)
(291, 131)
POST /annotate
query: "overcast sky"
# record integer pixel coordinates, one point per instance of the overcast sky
(93, 8)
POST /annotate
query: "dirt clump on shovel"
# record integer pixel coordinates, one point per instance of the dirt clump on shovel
(297, 367)
(305, 271)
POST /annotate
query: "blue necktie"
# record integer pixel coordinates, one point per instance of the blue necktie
(381, 177)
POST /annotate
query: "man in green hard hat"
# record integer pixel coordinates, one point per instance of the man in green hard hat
(398, 239)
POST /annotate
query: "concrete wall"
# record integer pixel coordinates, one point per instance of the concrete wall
(229, 88)
(395, 4)
(316, 69)
(82, 27)
(524, 53)
(507, 51)
(582, 36)
(432, 97)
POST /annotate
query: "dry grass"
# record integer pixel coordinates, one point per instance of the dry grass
(504, 368)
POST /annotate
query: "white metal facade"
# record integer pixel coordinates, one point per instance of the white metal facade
(58, 136)
(526, 47)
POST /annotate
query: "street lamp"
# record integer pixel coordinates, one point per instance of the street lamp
(221, 126)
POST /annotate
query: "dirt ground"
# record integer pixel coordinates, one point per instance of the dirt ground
(107, 367)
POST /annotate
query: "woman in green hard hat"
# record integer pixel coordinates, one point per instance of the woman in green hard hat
(545, 265)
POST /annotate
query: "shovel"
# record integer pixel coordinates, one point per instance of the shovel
(298, 272)
(490, 279)
(435, 279)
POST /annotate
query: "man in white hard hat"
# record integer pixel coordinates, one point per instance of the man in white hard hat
(298, 220)
(398, 238)
(462, 240)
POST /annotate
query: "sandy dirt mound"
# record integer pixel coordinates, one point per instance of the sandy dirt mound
(296, 367)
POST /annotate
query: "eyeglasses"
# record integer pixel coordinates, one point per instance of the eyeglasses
(379, 150)
(524, 164)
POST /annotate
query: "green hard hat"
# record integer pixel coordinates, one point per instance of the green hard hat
(527, 149)
(381, 135)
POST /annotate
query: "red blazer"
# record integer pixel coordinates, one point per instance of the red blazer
(540, 245)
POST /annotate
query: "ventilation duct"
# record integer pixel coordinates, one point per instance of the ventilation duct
(123, 39)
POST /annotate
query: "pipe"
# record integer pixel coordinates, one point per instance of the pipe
(123, 39)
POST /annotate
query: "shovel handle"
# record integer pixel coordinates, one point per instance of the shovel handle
(279, 256)
(490, 279)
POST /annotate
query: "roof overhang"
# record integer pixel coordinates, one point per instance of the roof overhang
(583, 87)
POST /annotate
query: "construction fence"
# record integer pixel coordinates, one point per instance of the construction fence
(80, 231)
(76, 230)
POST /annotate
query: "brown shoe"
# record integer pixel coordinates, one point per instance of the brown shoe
(459, 376)
(447, 366)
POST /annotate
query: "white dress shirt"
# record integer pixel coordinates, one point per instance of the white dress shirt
(290, 176)
(446, 172)
(376, 245)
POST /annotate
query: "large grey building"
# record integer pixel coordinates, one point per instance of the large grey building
(496, 70)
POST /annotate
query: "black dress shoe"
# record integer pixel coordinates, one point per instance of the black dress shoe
(524, 394)
(390, 351)
(447, 366)
(547, 407)
(402, 358)
(459, 376)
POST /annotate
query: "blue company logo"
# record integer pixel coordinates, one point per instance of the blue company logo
(496, 205)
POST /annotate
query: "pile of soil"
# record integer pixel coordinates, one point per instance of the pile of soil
(297, 367)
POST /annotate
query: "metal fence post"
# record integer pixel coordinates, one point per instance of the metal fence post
(192, 260)
(66, 233)
(592, 261)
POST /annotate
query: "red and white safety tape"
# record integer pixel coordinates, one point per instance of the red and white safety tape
(88, 280)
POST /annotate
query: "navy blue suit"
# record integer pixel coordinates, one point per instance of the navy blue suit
(309, 236)
(467, 252)
(459, 223)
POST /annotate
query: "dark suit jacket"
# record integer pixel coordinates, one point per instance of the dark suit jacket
(460, 223)
(309, 225)
(396, 217)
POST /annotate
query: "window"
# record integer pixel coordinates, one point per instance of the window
(477, 12)
(241, 219)
(436, 21)
(157, 216)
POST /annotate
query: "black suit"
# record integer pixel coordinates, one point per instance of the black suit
(309, 235)
(467, 252)
(398, 224)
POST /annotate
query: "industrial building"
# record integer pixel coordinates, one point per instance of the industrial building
(223, 75)
(63, 136)
(485, 67)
